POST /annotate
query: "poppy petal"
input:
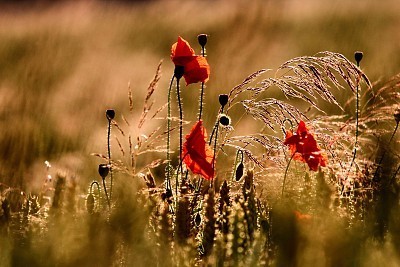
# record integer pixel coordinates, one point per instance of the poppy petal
(181, 52)
(197, 154)
(197, 70)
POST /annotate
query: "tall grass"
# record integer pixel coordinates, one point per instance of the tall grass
(59, 80)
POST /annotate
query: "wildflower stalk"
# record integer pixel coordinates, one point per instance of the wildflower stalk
(168, 176)
(202, 38)
(103, 171)
(358, 56)
(178, 73)
(110, 114)
(286, 171)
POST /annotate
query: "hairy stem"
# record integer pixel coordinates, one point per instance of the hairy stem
(168, 176)
(178, 95)
(202, 90)
(109, 158)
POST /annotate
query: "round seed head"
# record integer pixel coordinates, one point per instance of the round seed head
(358, 55)
(179, 71)
(104, 170)
(223, 100)
(239, 171)
(90, 203)
(202, 38)
(224, 120)
(110, 114)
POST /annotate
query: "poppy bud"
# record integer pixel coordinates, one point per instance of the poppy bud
(202, 38)
(90, 203)
(179, 71)
(224, 120)
(397, 116)
(197, 219)
(239, 171)
(110, 114)
(223, 100)
(103, 170)
(358, 55)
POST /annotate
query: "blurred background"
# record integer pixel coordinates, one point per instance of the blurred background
(63, 63)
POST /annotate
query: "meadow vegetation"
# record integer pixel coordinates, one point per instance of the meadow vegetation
(91, 134)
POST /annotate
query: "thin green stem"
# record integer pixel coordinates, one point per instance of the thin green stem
(286, 171)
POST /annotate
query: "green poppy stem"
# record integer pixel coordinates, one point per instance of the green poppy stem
(109, 159)
(202, 89)
(178, 95)
(286, 171)
(168, 176)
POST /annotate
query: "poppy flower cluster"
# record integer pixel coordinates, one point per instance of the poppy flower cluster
(196, 68)
(304, 147)
(197, 154)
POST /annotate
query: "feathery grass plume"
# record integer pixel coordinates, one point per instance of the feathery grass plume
(141, 145)
(150, 90)
(208, 233)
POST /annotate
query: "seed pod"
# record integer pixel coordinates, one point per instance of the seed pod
(358, 55)
(224, 120)
(90, 203)
(110, 114)
(202, 38)
(223, 100)
(239, 171)
(197, 219)
(103, 170)
(179, 71)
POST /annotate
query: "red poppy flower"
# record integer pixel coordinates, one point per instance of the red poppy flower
(196, 68)
(197, 154)
(304, 147)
